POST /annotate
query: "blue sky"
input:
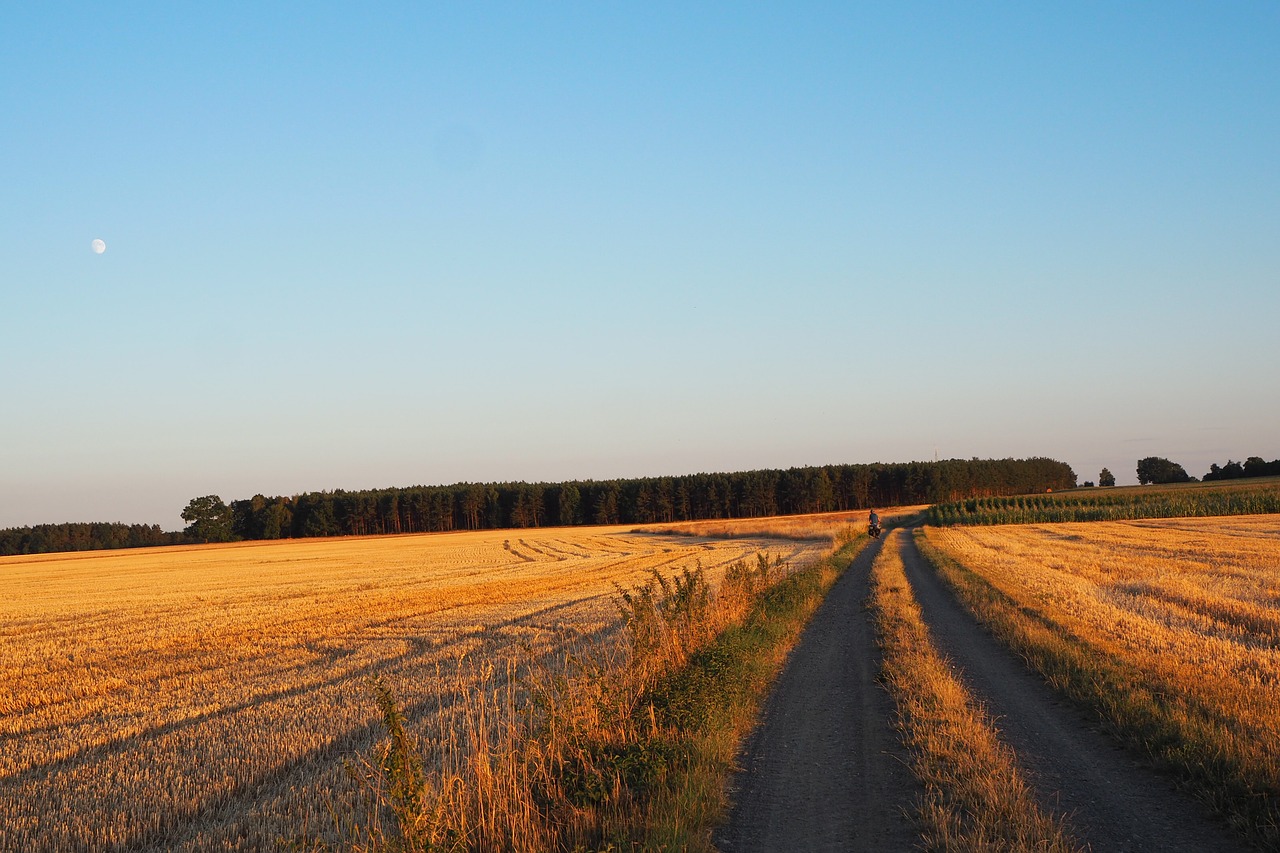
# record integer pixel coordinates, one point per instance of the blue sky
(353, 248)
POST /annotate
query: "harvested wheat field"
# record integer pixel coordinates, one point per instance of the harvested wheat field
(208, 697)
(833, 527)
(1170, 627)
(1194, 600)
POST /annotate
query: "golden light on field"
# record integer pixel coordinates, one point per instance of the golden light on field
(1204, 587)
(974, 787)
(1188, 609)
(206, 697)
(828, 526)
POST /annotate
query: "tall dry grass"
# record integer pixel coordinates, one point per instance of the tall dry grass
(1168, 628)
(975, 797)
(210, 697)
(594, 753)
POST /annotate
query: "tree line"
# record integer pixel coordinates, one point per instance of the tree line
(475, 506)
(1254, 466)
(1158, 470)
(49, 538)
(649, 500)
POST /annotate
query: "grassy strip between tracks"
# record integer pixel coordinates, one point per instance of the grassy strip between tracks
(1179, 730)
(625, 749)
(975, 798)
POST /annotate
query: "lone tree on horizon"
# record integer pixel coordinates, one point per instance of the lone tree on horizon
(1106, 478)
(210, 520)
(1154, 469)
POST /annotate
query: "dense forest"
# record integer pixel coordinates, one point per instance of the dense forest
(47, 538)
(473, 506)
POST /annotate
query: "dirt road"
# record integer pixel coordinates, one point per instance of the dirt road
(825, 769)
(1113, 803)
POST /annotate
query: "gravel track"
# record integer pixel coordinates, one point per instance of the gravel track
(1113, 802)
(825, 769)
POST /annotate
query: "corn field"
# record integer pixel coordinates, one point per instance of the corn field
(1193, 500)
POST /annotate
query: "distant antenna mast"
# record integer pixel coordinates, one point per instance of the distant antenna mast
(935, 453)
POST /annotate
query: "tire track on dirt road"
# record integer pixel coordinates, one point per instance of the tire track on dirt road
(1112, 802)
(825, 769)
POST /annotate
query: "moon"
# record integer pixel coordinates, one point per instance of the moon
(99, 246)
